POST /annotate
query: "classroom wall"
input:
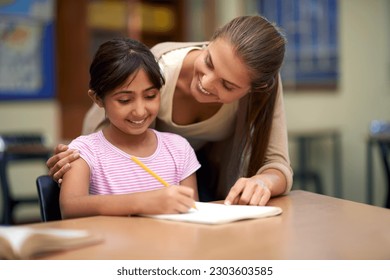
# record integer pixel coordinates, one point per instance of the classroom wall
(363, 95)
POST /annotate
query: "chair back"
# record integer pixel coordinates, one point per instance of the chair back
(380, 130)
(48, 195)
(384, 147)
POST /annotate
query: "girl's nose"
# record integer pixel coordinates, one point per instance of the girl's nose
(139, 109)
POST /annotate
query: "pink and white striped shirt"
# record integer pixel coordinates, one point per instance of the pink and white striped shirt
(113, 172)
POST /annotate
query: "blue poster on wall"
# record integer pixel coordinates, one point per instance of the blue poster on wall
(27, 53)
(311, 28)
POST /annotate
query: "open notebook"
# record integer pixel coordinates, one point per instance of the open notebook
(212, 213)
(24, 242)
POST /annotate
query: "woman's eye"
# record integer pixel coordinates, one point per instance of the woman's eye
(227, 87)
(207, 62)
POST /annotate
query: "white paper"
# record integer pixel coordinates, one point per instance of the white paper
(213, 213)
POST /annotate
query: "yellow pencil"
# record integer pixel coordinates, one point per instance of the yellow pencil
(137, 161)
(147, 169)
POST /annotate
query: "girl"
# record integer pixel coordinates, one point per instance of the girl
(125, 82)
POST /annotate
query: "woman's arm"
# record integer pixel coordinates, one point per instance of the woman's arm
(275, 177)
(75, 200)
(277, 154)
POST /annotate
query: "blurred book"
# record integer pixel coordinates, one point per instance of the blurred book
(24, 242)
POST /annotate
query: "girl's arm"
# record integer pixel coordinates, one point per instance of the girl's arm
(75, 200)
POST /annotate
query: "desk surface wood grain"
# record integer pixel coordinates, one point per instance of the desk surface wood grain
(312, 226)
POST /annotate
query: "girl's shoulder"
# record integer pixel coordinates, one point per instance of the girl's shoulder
(86, 141)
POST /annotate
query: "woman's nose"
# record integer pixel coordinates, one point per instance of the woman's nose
(207, 81)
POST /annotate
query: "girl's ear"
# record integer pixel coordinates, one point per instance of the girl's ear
(95, 98)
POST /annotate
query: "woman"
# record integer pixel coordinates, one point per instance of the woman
(225, 97)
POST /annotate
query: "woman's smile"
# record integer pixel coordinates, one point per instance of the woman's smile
(201, 89)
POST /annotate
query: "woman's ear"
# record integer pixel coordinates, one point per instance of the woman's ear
(95, 98)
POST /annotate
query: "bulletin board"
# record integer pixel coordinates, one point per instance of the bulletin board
(27, 49)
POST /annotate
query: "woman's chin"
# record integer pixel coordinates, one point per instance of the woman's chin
(202, 97)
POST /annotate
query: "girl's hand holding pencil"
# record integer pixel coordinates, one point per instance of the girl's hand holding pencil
(182, 190)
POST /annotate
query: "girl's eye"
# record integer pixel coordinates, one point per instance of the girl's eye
(151, 96)
(124, 101)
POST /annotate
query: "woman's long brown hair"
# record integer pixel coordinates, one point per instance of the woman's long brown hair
(261, 46)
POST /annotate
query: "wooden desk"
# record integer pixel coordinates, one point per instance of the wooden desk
(312, 226)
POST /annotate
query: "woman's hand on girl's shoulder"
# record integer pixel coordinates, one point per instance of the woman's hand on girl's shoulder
(59, 163)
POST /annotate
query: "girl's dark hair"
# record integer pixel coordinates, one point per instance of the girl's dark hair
(116, 60)
(261, 46)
